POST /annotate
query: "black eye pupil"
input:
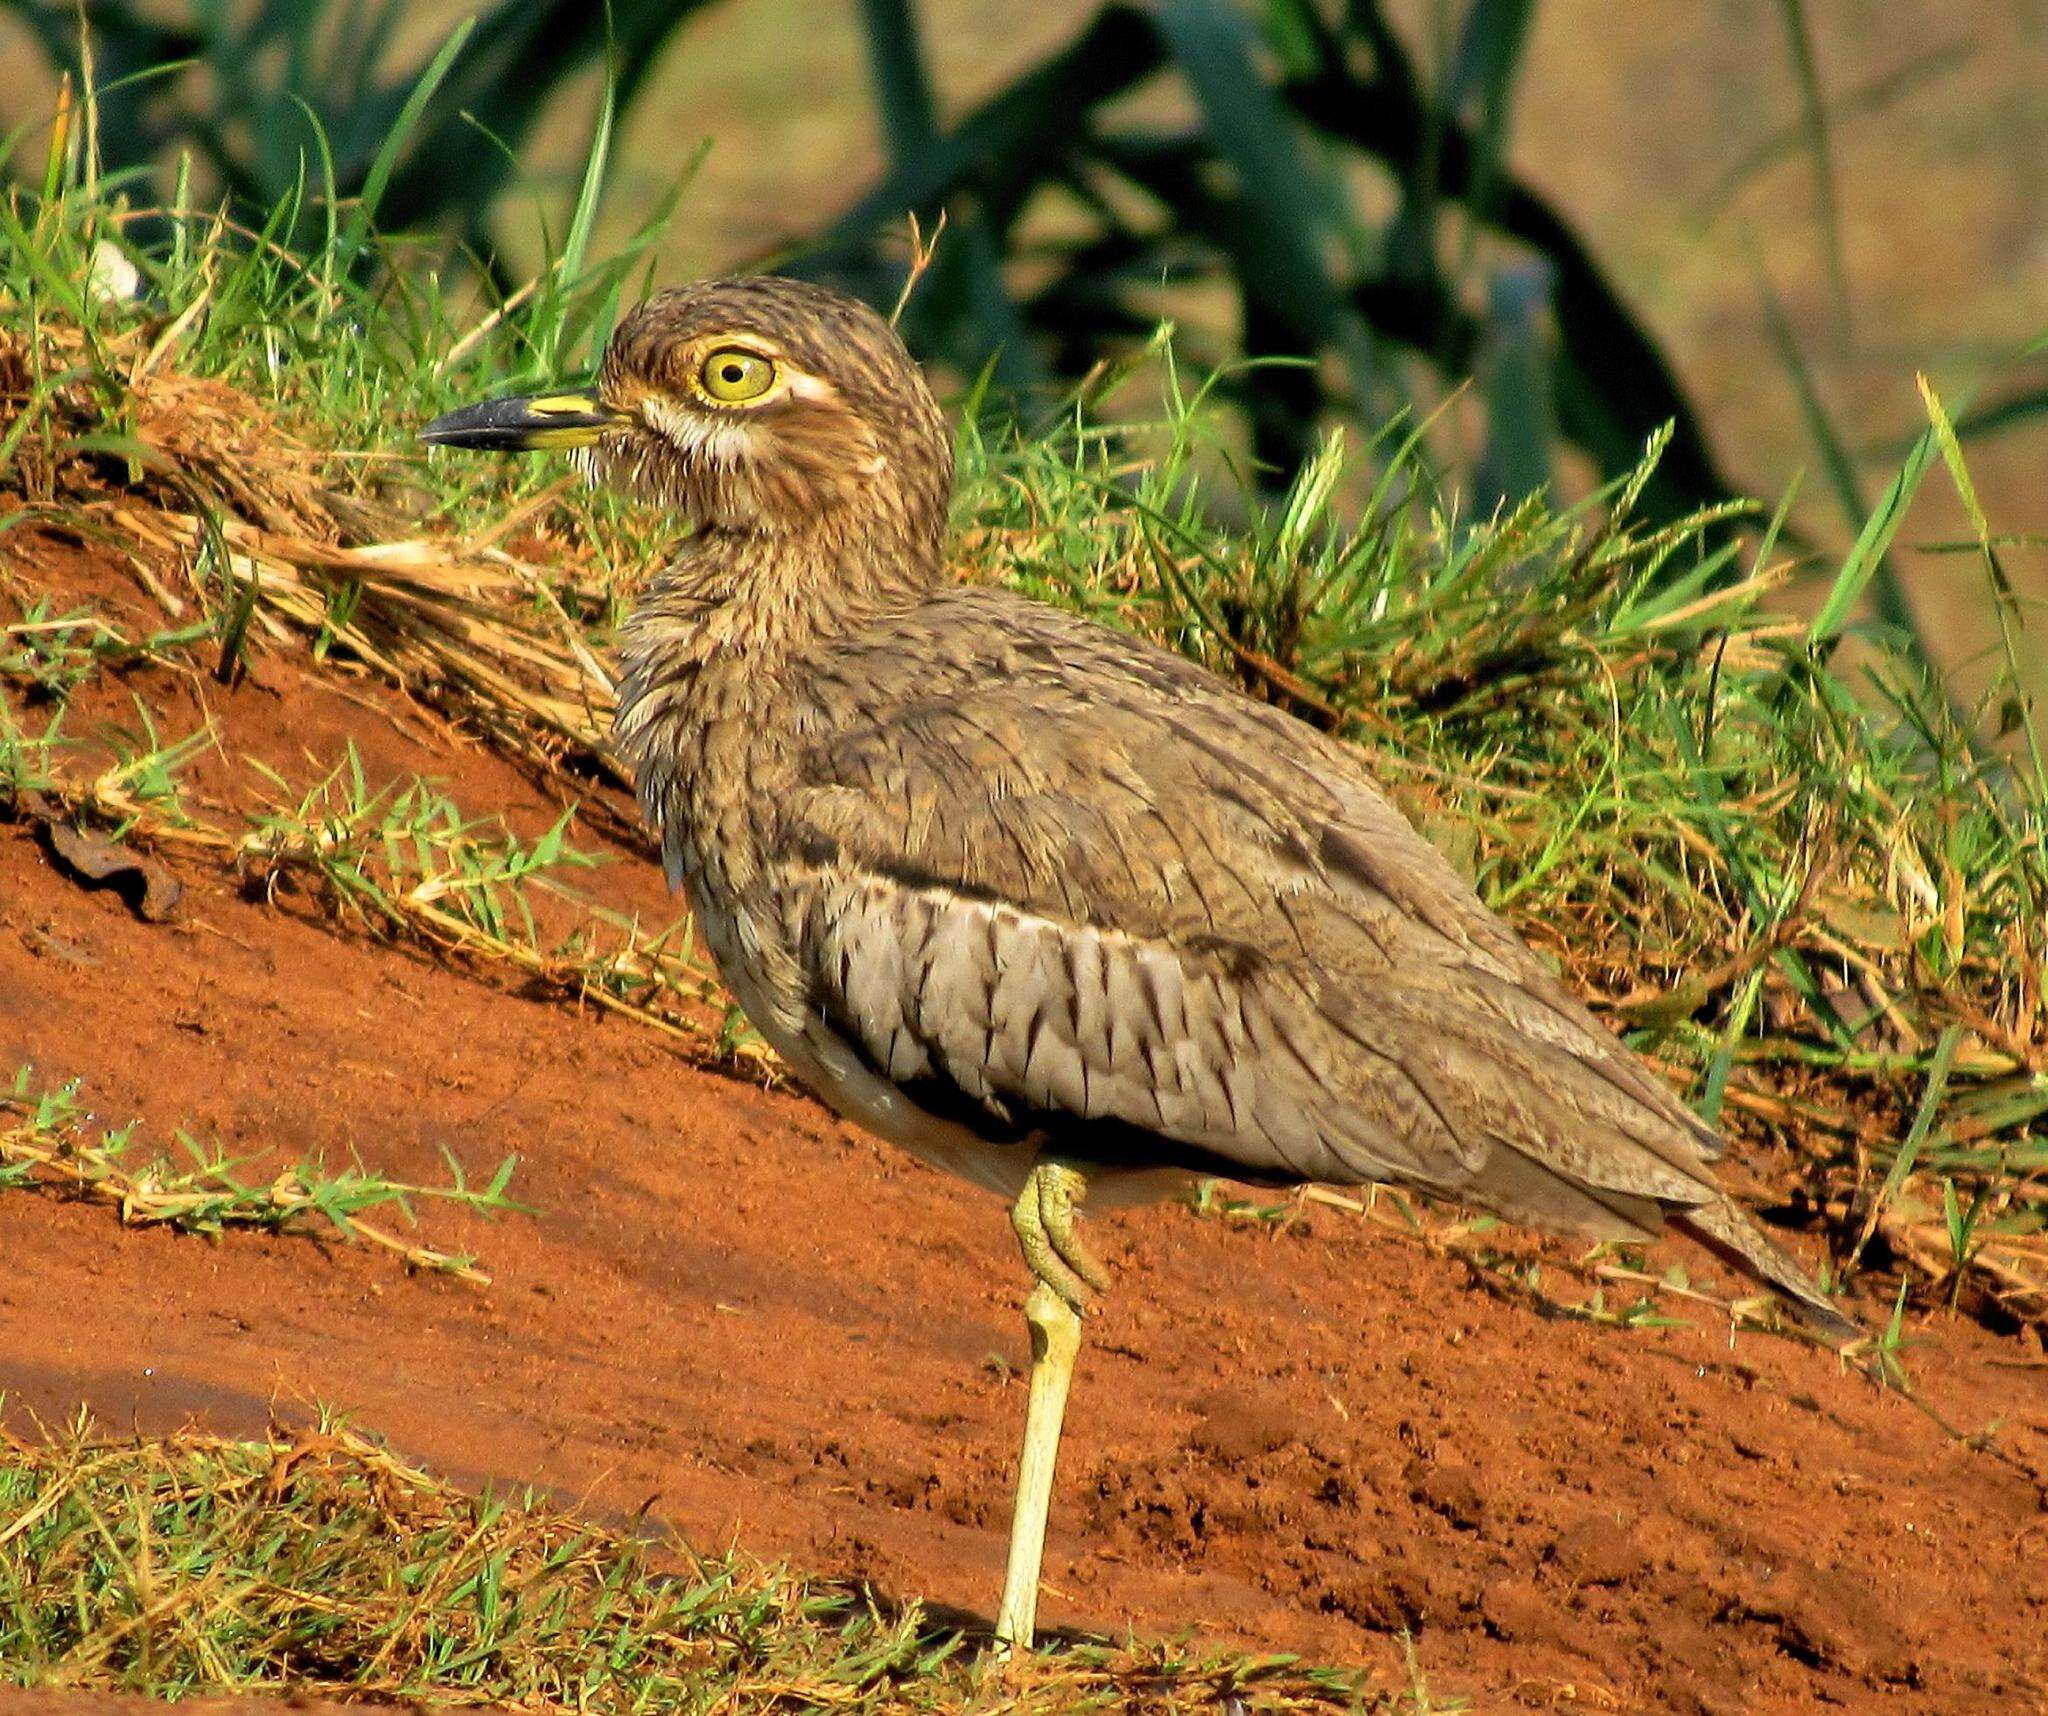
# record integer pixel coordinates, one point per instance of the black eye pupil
(733, 374)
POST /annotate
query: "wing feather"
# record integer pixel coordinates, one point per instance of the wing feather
(1142, 906)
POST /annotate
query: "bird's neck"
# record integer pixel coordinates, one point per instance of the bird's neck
(717, 632)
(755, 598)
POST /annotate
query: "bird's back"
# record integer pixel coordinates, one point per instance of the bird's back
(1044, 874)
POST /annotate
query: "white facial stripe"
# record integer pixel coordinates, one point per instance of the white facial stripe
(711, 462)
(696, 433)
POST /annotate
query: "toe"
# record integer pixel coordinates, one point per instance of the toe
(1059, 1195)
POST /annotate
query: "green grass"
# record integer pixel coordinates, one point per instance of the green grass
(318, 1561)
(1771, 850)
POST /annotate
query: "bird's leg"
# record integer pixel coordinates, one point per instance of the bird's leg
(1055, 1339)
(1044, 1220)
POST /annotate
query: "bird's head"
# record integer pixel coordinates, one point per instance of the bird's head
(757, 405)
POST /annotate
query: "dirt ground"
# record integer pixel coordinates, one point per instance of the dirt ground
(737, 1315)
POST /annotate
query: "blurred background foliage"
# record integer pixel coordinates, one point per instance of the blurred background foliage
(1347, 187)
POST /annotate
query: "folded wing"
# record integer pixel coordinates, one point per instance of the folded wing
(1151, 921)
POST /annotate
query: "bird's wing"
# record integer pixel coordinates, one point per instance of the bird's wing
(1070, 886)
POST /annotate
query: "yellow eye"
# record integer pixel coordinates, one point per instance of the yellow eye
(732, 376)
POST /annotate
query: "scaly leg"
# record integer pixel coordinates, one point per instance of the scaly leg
(1044, 1220)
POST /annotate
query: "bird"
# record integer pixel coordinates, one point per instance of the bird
(1045, 904)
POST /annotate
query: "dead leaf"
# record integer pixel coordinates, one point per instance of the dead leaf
(145, 884)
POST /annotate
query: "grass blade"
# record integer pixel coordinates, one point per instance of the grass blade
(392, 151)
(1814, 118)
(1865, 564)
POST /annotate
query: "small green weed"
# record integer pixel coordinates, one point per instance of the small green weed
(51, 1147)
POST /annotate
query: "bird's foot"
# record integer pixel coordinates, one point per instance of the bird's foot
(1044, 1219)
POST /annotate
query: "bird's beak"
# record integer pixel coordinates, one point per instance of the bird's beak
(530, 423)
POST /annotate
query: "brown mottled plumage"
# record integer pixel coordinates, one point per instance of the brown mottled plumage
(1009, 887)
(996, 879)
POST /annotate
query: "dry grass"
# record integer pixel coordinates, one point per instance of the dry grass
(218, 509)
(315, 1559)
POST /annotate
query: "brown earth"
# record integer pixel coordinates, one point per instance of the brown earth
(737, 1314)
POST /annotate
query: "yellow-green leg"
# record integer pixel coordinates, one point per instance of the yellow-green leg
(1044, 1220)
(1055, 1339)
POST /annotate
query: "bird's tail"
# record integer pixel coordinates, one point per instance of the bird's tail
(1733, 1237)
